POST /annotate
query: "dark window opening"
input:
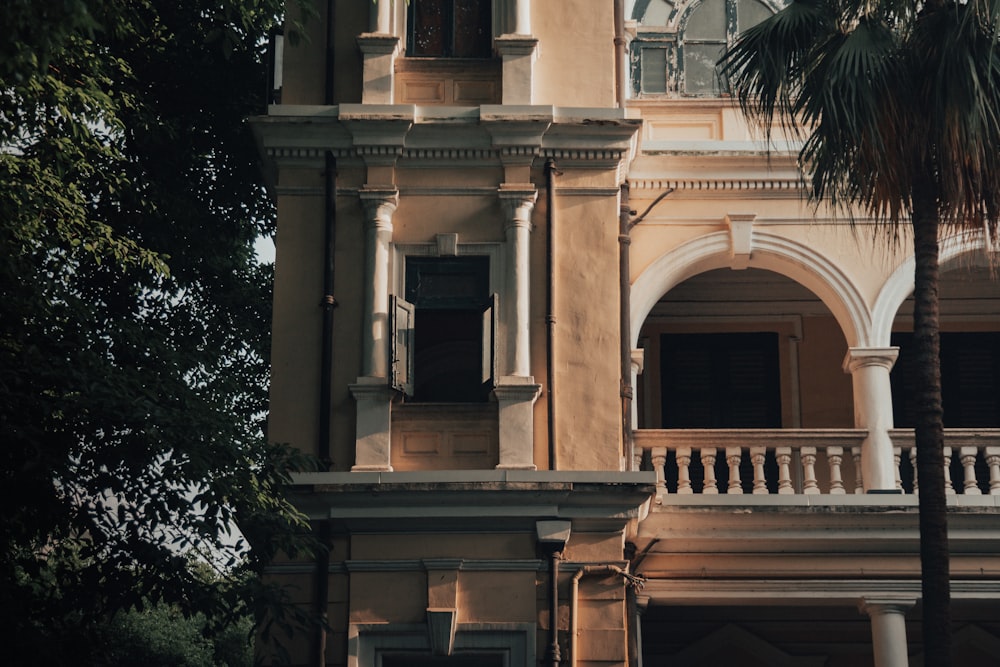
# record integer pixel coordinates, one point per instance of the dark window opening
(721, 380)
(724, 380)
(970, 380)
(450, 29)
(443, 331)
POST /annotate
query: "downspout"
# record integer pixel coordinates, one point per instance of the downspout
(328, 303)
(619, 9)
(550, 318)
(625, 307)
(631, 580)
(553, 650)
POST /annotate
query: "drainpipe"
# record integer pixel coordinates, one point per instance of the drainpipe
(321, 590)
(631, 580)
(625, 224)
(619, 9)
(625, 306)
(550, 318)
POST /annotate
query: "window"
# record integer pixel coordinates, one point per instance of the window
(678, 44)
(443, 331)
(970, 380)
(450, 29)
(710, 27)
(723, 380)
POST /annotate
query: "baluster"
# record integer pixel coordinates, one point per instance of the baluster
(757, 455)
(683, 456)
(913, 462)
(658, 457)
(733, 457)
(968, 458)
(897, 457)
(710, 485)
(809, 485)
(637, 459)
(859, 482)
(784, 457)
(835, 456)
(949, 488)
(993, 461)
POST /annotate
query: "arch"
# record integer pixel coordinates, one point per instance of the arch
(899, 285)
(773, 253)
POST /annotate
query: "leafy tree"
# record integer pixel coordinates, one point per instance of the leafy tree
(134, 323)
(898, 103)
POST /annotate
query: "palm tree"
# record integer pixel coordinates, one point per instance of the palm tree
(898, 104)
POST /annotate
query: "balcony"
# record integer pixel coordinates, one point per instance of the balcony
(764, 463)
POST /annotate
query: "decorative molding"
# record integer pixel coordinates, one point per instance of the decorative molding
(718, 185)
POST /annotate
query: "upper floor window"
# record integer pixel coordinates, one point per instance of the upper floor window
(678, 43)
(450, 29)
(443, 331)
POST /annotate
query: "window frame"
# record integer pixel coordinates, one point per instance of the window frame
(449, 23)
(402, 324)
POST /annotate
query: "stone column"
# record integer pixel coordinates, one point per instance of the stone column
(379, 206)
(371, 391)
(888, 621)
(518, 201)
(869, 368)
(522, 17)
(516, 391)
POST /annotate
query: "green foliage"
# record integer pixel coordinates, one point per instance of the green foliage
(884, 94)
(134, 323)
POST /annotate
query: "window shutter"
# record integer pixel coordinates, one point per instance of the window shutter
(490, 313)
(401, 352)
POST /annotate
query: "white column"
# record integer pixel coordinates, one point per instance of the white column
(383, 13)
(379, 206)
(522, 17)
(518, 202)
(888, 621)
(869, 368)
(516, 391)
(371, 391)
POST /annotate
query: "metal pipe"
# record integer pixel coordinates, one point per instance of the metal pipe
(620, 78)
(550, 319)
(321, 591)
(625, 306)
(553, 650)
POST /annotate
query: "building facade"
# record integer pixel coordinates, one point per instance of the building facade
(594, 382)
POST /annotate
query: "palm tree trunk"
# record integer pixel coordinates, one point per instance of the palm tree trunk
(930, 430)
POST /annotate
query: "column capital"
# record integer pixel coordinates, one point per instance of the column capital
(861, 357)
(518, 200)
(638, 359)
(379, 203)
(887, 604)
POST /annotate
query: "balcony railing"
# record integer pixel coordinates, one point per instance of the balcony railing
(803, 461)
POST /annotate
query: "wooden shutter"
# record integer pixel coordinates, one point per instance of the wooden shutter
(401, 321)
(490, 313)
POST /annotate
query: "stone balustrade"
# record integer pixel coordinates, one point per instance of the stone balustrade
(802, 461)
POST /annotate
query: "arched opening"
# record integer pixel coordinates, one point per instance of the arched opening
(736, 350)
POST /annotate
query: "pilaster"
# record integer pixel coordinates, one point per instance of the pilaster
(518, 201)
(379, 52)
(516, 396)
(371, 453)
(518, 53)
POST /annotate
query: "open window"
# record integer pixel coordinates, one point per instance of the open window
(449, 29)
(444, 331)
